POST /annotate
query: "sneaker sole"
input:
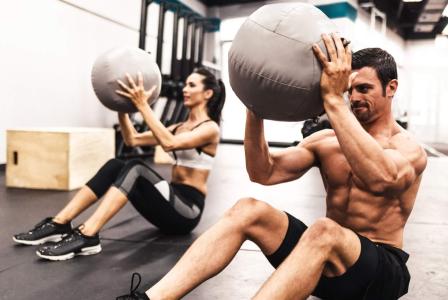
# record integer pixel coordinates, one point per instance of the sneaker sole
(84, 251)
(51, 238)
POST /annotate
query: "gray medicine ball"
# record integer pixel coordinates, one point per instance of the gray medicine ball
(272, 67)
(113, 65)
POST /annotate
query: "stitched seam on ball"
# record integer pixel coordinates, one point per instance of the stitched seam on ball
(270, 79)
(280, 21)
(287, 37)
(267, 29)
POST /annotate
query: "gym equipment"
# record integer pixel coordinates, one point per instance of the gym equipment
(173, 110)
(311, 126)
(272, 67)
(113, 65)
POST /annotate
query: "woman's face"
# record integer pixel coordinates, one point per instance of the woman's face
(194, 93)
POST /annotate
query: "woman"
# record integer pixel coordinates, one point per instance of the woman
(174, 207)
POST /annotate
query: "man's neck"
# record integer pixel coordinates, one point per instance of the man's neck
(382, 126)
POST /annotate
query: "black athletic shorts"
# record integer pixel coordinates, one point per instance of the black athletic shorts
(380, 273)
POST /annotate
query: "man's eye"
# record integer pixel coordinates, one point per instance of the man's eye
(362, 89)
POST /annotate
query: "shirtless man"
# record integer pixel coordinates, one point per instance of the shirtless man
(371, 169)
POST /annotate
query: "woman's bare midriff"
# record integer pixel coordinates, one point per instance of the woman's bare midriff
(196, 178)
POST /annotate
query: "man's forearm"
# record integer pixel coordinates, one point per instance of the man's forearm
(364, 154)
(258, 162)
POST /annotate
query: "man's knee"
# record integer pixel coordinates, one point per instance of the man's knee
(248, 212)
(324, 233)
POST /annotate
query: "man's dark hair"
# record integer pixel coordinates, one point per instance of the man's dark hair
(379, 60)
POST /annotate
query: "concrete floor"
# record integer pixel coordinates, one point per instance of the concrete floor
(130, 244)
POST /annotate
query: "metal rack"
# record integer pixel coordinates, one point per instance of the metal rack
(193, 36)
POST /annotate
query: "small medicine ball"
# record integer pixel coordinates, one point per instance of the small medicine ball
(272, 67)
(113, 65)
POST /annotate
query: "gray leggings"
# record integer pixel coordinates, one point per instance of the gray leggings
(173, 208)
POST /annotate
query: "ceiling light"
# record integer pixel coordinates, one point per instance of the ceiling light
(435, 5)
(429, 17)
(412, 0)
(424, 27)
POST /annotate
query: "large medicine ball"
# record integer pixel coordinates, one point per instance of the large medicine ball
(272, 66)
(113, 65)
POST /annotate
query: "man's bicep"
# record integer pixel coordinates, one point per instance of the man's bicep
(410, 162)
(291, 163)
(407, 150)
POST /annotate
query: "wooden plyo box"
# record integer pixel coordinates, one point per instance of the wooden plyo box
(56, 158)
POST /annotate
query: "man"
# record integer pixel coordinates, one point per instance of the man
(371, 169)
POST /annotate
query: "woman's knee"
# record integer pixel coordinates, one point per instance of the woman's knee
(113, 165)
(134, 162)
(105, 176)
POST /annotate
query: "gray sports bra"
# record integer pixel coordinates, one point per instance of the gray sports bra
(192, 158)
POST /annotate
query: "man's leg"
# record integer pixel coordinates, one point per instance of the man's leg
(248, 219)
(325, 248)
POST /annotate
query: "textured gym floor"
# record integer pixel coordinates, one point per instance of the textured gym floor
(130, 244)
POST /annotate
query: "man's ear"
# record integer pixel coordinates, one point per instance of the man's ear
(391, 88)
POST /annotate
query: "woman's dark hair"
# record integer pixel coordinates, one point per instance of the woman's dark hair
(216, 102)
(378, 59)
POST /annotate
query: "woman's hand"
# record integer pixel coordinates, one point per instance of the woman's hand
(135, 92)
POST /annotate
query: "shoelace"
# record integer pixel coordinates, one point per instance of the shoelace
(132, 289)
(41, 224)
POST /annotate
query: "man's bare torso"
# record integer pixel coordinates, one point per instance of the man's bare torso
(379, 217)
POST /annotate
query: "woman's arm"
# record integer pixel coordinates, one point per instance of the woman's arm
(133, 138)
(203, 135)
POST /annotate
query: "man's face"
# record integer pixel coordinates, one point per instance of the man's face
(367, 99)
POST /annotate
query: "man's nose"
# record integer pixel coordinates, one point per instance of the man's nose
(354, 95)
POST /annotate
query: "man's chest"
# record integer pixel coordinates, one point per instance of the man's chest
(334, 166)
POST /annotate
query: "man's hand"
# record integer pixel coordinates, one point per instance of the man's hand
(250, 114)
(336, 69)
(135, 92)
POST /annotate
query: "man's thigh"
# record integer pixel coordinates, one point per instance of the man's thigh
(263, 224)
(355, 260)
(295, 229)
(358, 273)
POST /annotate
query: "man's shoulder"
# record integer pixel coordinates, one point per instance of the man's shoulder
(323, 139)
(404, 139)
(321, 135)
(405, 143)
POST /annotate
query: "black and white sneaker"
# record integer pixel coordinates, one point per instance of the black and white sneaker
(45, 231)
(75, 243)
(133, 294)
